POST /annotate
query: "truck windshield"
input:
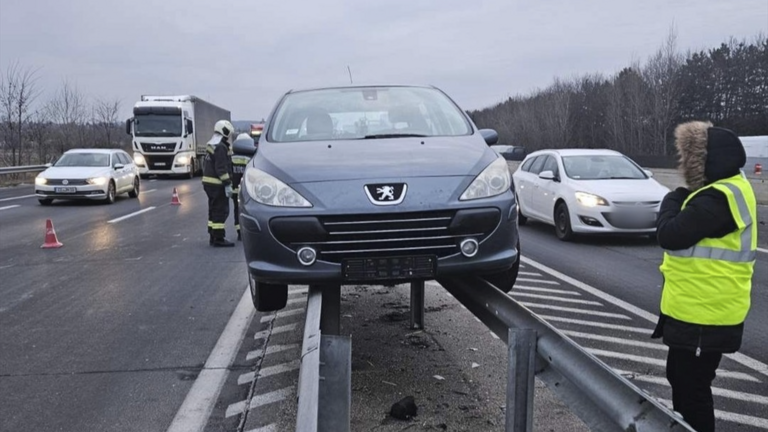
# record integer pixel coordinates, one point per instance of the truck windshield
(157, 125)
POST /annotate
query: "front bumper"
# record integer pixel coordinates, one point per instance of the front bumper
(165, 164)
(613, 220)
(272, 236)
(85, 192)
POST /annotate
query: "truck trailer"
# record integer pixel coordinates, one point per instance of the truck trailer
(170, 133)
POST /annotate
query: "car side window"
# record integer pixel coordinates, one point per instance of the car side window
(527, 165)
(126, 159)
(550, 165)
(538, 165)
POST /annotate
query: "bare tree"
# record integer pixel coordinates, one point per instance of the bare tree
(105, 116)
(68, 109)
(39, 132)
(662, 74)
(18, 90)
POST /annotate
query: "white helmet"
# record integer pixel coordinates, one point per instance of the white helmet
(224, 128)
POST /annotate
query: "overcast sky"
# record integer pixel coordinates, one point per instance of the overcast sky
(243, 55)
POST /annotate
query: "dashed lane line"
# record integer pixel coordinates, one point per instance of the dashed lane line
(576, 310)
(557, 299)
(247, 378)
(744, 359)
(9, 207)
(275, 330)
(17, 198)
(130, 215)
(148, 191)
(198, 405)
(272, 349)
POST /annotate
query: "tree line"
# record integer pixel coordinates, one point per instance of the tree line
(635, 110)
(35, 130)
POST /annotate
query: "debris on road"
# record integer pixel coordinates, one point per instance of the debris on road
(404, 409)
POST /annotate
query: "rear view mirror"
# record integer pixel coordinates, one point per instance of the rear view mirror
(490, 136)
(128, 126)
(119, 166)
(547, 175)
(244, 147)
(190, 127)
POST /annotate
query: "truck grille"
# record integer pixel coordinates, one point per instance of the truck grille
(158, 162)
(158, 147)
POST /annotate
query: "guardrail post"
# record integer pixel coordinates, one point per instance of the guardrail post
(330, 315)
(417, 305)
(520, 380)
(335, 395)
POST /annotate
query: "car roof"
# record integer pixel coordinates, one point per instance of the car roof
(355, 86)
(93, 150)
(578, 152)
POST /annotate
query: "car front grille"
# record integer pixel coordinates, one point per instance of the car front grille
(634, 220)
(70, 182)
(157, 162)
(340, 237)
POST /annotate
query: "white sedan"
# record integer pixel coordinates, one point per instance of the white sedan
(587, 191)
(91, 174)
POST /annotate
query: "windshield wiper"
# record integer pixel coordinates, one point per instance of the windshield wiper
(395, 135)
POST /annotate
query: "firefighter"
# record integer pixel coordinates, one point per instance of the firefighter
(217, 182)
(709, 237)
(238, 169)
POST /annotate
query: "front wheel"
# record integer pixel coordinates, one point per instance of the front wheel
(267, 297)
(135, 192)
(111, 193)
(192, 169)
(563, 228)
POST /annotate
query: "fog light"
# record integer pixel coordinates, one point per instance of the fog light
(469, 247)
(306, 256)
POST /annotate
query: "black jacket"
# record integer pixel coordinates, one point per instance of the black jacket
(217, 163)
(708, 154)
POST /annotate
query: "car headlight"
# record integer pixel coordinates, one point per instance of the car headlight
(494, 180)
(139, 159)
(182, 160)
(268, 190)
(40, 180)
(590, 200)
(98, 181)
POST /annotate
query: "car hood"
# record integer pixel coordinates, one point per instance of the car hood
(75, 172)
(300, 162)
(618, 189)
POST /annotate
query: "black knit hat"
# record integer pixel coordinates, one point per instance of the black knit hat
(725, 154)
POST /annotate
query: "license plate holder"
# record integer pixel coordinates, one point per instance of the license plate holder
(389, 268)
(65, 190)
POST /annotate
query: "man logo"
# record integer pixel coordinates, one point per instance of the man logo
(386, 194)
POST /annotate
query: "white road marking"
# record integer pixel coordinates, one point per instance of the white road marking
(541, 281)
(282, 329)
(596, 324)
(545, 290)
(620, 341)
(9, 207)
(717, 391)
(268, 428)
(153, 180)
(236, 408)
(272, 349)
(477, 319)
(296, 300)
(576, 311)
(269, 371)
(271, 397)
(197, 406)
(494, 335)
(758, 422)
(747, 361)
(522, 273)
(720, 374)
(148, 191)
(17, 198)
(558, 299)
(283, 314)
(762, 250)
(130, 215)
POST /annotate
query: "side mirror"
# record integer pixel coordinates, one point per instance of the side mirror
(119, 166)
(190, 128)
(490, 136)
(547, 175)
(128, 126)
(649, 173)
(244, 147)
(48, 165)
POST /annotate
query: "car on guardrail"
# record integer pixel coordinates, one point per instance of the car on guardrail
(374, 185)
(583, 191)
(88, 174)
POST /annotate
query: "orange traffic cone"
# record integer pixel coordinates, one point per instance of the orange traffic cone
(175, 199)
(50, 237)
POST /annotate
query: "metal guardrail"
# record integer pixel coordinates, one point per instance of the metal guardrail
(603, 399)
(325, 376)
(22, 169)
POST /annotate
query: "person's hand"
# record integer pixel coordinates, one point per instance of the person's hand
(228, 190)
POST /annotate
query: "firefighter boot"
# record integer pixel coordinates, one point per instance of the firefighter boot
(220, 241)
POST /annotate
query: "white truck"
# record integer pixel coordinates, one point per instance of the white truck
(170, 133)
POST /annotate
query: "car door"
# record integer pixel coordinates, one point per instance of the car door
(527, 183)
(118, 174)
(545, 192)
(130, 170)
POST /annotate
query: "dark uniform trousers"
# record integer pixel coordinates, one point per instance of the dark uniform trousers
(218, 209)
(691, 380)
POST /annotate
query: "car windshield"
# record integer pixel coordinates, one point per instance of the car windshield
(83, 160)
(601, 168)
(367, 112)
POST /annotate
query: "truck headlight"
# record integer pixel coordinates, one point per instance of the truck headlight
(268, 190)
(40, 181)
(182, 160)
(139, 159)
(494, 180)
(98, 181)
(590, 200)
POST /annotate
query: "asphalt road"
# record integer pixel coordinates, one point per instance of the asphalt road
(111, 331)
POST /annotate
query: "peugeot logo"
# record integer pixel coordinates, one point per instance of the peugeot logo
(386, 193)
(65, 182)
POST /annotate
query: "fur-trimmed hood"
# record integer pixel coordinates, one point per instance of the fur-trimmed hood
(707, 153)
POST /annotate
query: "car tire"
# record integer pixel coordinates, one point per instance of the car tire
(111, 193)
(563, 228)
(134, 193)
(192, 168)
(143, 176)
(45, 201)
(268, 297)
(505, 280)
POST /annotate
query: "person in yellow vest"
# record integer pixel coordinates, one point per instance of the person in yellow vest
(708, 234)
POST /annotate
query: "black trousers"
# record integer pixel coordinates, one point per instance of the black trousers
(691, 380)
(218, 209)
(236, 210)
